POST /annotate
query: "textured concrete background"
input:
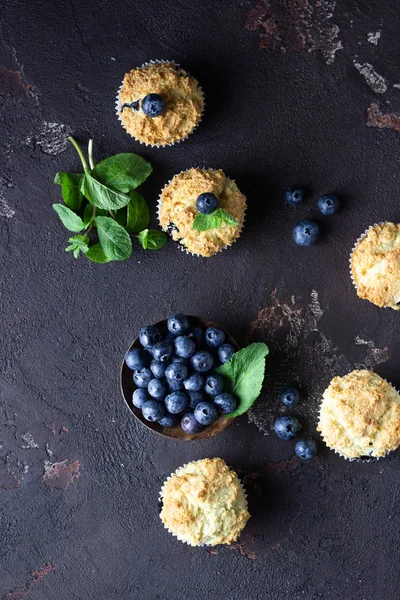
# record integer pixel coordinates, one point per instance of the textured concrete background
(301, 94)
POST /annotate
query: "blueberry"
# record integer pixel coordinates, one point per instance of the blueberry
(158, 389)
(306, 233)
(136, 359)
(139, 397)
(142, 377)
(153, 105)
(206, 203)
(287, 428)
(190, 425)
(306, 449)
(328, 204)
(205, 413)
(226, 403)
(294, 196)
(214, 385)
(162, 351)
(215, 337)
(153, 410)
(178, 324)
(194, 383)
(176, 402)
(289, 396)
(196, 398)
(175, 386)
(158, 368)
(182, 361)
(184, 346)
(202, 361)
(149, 336)
(176, 372)
(168, 420)
(225, 352)
(197, 334)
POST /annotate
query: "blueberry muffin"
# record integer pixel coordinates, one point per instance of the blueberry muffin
(179, 205)
(375, 265)
(204, 503)
(160, 103)
(360, 415)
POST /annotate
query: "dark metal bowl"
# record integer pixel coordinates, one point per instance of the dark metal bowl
(176, 433)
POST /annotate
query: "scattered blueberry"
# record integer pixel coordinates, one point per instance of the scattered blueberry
(153, 410)
(190, 425)
(306, 233)
(206, 203)
(176, 402)
(202, 361)
(162, 351)
(328, 204)
(149, 336)
(225, 352)
(175, 386)
(226, 403)
(179, 359)
(195, 398)
(178, 324)
(215, 336)
(194, 383)
(184, 346)
(294, 196)
(168, 420)
(153, 105)
(158, 368)
(136, 359)
(306, 449)
(290, 396)
(139, 397)
(205, 413)
(214, 385)
(142, 377)
(197, 333)
(158, 389)
(176, 372)
(287, 428)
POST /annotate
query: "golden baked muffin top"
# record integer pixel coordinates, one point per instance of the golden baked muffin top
(360, 415)
(183, 98)
(204, 503)
(178, 209)
(375, 265)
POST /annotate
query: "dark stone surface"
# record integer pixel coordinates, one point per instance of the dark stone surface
(275, 117)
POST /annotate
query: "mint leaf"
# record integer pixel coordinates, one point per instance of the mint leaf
(70, 191)
(79, 243)
(122, 172)
(213, 221)
(88, 213)
(101, 195)
(116, 242)
(244, 374)
(69, 219)
(96, 254)
(138, 214)
(152, 239)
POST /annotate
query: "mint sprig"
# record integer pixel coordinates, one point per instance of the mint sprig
(104, 199)
(214, 220)
(244, 374)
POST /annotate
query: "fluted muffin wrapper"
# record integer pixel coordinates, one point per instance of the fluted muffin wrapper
(118, 107)
(161, 496)
(181, 246)
(362, 236)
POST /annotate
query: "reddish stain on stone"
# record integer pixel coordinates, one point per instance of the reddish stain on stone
(8, 479)
(376, 118)
(273, 468)
(60, 475)
(212, 551)
(64, 429)
(12, 84)
(21, 592)
(51, 426)
(243, 551)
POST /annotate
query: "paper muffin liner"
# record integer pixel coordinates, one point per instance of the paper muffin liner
(181, 246)
(118, 106)
(160, 500)
(364, 459)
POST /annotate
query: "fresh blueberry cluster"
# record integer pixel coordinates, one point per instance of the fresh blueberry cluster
(289, 427)
(175, 374)
(307, 232)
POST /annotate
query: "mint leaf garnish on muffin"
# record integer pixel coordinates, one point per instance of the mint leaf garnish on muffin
(214, 220)
(104, 199)
(244, 375)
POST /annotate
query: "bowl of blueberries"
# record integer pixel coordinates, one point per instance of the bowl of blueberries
(169, 380)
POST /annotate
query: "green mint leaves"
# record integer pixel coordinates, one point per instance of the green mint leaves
(104, 198)
(244, 374)
(214, 220)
